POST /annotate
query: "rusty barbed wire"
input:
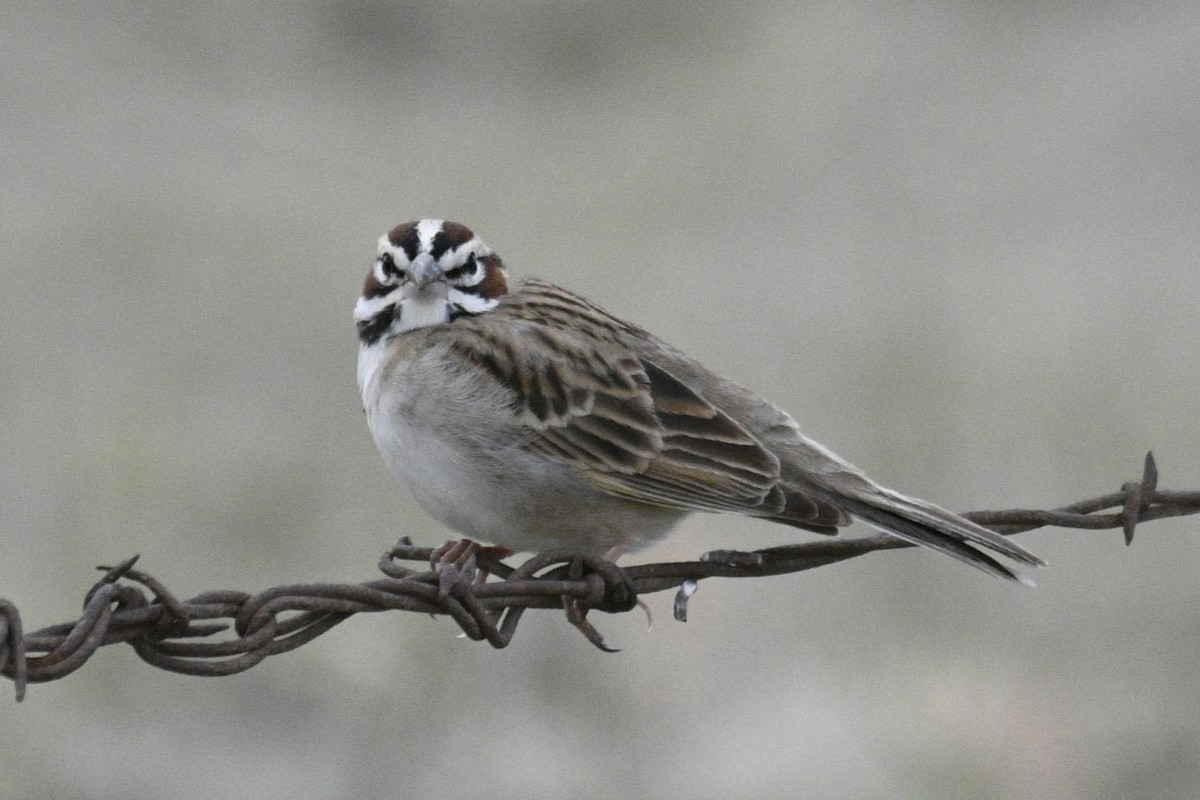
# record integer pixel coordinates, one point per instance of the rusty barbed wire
(486, 600)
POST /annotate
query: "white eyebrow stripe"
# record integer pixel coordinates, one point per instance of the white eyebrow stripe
(397, 253)
(459, 255)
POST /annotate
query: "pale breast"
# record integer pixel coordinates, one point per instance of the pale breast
(453, 441)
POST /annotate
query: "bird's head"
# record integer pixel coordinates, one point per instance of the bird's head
(428, 272)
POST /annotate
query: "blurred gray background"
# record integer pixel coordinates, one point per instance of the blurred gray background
(959, 242)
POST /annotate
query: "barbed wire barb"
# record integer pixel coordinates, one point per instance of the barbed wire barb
(225, 632)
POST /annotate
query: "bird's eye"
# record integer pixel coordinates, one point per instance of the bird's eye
(387, 265)
(467, 268)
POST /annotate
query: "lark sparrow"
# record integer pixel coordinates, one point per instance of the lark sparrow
(521, 414)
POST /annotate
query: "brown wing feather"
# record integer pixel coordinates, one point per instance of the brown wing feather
(635, 430)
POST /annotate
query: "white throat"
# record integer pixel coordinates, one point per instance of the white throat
(422, 309)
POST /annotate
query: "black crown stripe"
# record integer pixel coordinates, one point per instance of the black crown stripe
(405, 237)
(451, 235)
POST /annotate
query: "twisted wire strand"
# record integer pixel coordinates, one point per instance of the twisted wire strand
(486, 601)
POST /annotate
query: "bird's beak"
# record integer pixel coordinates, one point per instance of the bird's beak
(425, 270)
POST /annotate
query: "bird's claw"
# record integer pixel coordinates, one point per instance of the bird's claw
(456, 564)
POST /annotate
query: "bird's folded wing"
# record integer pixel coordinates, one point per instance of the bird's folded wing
(632, 428)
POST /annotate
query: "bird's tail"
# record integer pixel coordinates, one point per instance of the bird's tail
(925, 524)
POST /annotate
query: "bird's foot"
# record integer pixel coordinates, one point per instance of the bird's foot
(455, 563)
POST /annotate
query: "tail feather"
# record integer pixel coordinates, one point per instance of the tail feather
(921, 523)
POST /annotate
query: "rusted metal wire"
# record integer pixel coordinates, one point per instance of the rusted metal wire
(486, 601)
